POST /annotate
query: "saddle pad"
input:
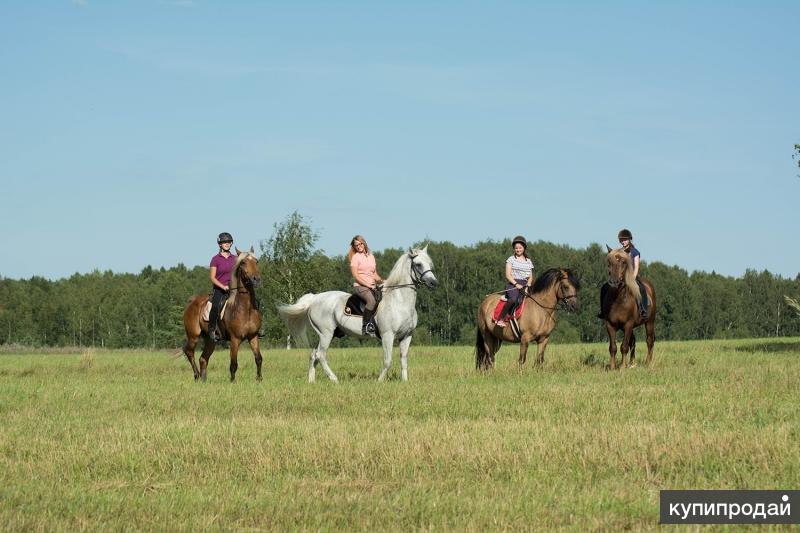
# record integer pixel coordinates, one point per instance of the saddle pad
(207, 310)
(499, 308)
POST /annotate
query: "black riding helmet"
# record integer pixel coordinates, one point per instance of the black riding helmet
(224, 237)
(519, 239)
(625, 234)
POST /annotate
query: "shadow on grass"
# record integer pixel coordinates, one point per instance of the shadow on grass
(770, 347)
(597, 361)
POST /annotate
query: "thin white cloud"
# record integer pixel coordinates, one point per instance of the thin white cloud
(80, 3)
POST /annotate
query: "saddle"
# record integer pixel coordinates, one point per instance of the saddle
(354, 306)
(499, 309)
(207, 310)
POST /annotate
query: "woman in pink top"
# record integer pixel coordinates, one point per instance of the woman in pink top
(362, 266)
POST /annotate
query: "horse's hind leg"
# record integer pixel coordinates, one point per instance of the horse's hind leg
(651, 340)
(312, 366)
(322, 355)
(492, 347)
(188, 351)
(208, 349)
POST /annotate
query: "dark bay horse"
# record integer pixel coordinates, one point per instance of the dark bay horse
(620, 307)
(537, 321)
(241, 320)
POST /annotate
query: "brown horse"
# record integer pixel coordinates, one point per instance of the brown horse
(620, 307)
(241, 320)
(537, 321)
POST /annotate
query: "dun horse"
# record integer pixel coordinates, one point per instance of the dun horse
(620, 308)
(396, 315)
(240, 321)
(536, 322)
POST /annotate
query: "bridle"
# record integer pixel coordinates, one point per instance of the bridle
(416, 278)
(247, 287)
(561, 301)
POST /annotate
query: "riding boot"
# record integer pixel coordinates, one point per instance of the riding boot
(367, 324)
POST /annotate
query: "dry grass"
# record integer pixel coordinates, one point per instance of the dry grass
(127, 440)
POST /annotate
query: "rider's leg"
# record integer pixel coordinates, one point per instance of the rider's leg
(365, 293)
(217, 299)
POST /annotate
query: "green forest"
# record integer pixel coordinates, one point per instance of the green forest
(144, 310)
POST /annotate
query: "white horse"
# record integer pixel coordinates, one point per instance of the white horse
(396, 315)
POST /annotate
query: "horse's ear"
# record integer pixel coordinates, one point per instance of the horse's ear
(608, 248)
(252, 250)
(238, 251)
(426, 248)
(412, 252)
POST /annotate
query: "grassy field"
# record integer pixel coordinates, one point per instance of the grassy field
(127, 440)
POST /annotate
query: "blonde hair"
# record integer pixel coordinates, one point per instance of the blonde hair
(352, 251)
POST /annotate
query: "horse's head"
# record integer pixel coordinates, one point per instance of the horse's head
(422, 268)
(618, 264)
(568, 287)
(247, 268)
(562, 282)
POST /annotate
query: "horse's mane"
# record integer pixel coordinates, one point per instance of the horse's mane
(399, 270)
(630, 279)
(551, 276)
(234, 284)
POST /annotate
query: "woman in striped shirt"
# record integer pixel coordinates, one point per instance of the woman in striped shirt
(519, 274)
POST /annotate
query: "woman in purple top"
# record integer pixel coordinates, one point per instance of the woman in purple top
(221, 269)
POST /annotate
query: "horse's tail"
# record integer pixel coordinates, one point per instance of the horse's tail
(296, 317)
(480, 350)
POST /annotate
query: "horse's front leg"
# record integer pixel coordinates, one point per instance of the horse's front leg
(540, 346)
(626, 344)
(234, 357)
(632, 358)
(388, 344)
(257, 356)
(404, 345)
(612, 344)
(523, 352)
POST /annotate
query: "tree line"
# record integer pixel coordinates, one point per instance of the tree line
(144, 310)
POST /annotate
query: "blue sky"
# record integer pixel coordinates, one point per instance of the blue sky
(131, 133)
